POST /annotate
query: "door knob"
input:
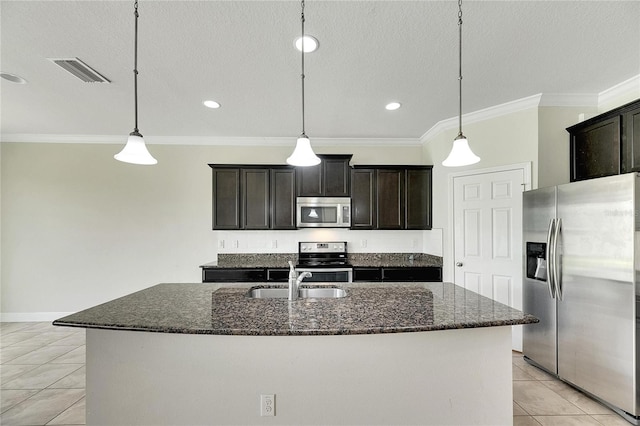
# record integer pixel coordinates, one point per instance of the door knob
(459, 264)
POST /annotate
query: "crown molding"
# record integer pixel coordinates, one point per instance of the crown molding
(482, 115)
(205, 140)
(631, 85)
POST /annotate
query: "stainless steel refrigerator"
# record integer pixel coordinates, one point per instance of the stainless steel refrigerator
(581, 266)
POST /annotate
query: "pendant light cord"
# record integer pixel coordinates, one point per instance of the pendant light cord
(460, 68)
(135, 70)
(302, 75)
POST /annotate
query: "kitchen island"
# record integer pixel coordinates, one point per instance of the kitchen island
(431, 353)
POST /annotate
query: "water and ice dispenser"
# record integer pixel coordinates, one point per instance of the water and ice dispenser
(537, 261)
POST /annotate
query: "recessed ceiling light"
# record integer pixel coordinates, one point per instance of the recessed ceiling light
(13, 78)
(211, 104)
(392, 106)
(311, 43)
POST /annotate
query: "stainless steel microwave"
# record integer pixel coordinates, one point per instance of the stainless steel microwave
(323, 212)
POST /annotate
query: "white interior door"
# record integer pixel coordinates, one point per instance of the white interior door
(488, 236)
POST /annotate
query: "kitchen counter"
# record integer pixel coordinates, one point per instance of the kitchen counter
(369, 308)
(280, 260)
(205, 354)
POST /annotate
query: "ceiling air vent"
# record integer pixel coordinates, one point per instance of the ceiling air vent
(81, 70)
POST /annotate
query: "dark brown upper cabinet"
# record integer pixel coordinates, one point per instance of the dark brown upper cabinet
(631, 140)
(253, 197)
(418, 197)
(283, 198)
(330, 178)
(363, 198)
(226, 198)
(391, 197)
(390, 203)
(605, 145)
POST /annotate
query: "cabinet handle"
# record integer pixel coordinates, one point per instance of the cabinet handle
(459, 264)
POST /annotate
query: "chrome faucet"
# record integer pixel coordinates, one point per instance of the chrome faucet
(295, 280)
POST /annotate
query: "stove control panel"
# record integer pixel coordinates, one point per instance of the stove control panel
(324, 247)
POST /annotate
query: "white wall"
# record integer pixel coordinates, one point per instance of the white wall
(553, 142)
(506, 139)
(360, 241)
(536, 134)
(79, 228)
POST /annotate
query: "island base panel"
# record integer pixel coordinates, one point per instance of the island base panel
(450, 377)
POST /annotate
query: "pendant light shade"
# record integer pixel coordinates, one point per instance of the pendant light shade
(461, 154)
(303, 155)
(135, 151)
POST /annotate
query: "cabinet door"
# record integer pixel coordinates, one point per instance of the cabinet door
(418, 198)
(412, 274)
(255, 198)
(280, 275)
(631, 141)
(595, 150)
(283, 199)
(363, 198)
(365, 273)
(309, 181)
(226, 275)
(390, 200)
(336, 177)
(226, 199)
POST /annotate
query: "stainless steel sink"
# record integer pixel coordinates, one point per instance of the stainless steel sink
(304, 293)
(322, 293)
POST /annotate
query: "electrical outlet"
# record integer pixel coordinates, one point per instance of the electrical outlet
(267, 405)
(236, 243)
(363, 243)
(221, 244)
(274, 243)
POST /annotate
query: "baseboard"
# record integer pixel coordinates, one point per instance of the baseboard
(32, 316)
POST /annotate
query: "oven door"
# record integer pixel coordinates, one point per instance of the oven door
(327, 275)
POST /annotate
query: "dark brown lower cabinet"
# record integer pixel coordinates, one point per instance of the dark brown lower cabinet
(228, 275)
(412, 273)
(398, 274)
(363, 273)
(257, 275)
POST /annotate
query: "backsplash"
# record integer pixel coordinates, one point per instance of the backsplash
(230, 242)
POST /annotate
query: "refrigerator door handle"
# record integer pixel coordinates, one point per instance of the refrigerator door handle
(550, 256)
(557, 264)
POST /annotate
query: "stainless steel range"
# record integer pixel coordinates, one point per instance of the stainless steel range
(327, 261)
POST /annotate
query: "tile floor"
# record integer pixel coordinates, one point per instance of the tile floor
(42, 382)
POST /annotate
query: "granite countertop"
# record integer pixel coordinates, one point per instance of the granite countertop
(369, 308)
(280, 260)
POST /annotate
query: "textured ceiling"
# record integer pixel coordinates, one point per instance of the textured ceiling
(241, 54)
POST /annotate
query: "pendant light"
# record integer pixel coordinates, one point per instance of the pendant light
(135, 151)
(461, 154)
(303, 154)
